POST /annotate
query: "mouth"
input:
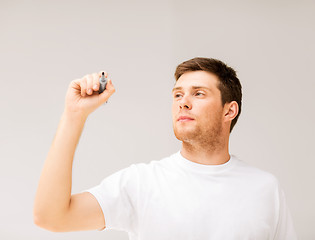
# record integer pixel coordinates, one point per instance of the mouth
(185, 119)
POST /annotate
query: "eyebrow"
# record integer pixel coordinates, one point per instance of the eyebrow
(193, 87)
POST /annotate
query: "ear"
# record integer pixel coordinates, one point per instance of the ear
(230, 111)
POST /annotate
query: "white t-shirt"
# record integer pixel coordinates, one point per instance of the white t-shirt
(175, 198)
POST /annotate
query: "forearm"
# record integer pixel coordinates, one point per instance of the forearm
(54, 190)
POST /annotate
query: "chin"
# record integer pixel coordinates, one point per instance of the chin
(185, 135)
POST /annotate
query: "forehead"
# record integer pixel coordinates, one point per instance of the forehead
(197, 79)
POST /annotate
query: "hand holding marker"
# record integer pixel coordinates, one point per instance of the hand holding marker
(86, 94)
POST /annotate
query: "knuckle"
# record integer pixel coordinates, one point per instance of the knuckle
(95, 78)
(83, 80)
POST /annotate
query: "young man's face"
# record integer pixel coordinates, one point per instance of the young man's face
(198, 98)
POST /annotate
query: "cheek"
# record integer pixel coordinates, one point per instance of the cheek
(209, 112)
(205, 109)
(175, 106)
(174, 110)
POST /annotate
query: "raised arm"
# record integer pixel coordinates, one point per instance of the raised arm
(54, 207)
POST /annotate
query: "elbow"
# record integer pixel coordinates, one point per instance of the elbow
(36, 218)
(39, 222)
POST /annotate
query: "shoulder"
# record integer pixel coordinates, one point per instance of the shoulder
(154, 164)
(253, 173)
(154, 167)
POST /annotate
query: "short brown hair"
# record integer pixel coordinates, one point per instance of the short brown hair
(229, 85)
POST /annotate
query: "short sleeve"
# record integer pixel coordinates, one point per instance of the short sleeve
(285, 228)
(117, 195)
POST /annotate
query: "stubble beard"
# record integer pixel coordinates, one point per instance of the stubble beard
(194, 137)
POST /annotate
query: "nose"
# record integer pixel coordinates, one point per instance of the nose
(184, 103)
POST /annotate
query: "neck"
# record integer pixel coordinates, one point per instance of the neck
(207, 153)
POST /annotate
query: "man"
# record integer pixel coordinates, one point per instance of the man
(199, 192)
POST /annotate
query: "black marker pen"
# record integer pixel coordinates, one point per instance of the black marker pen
(103, 82)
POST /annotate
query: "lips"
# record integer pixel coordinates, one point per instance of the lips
(184, 118)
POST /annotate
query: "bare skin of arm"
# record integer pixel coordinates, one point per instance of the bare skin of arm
(55, 209)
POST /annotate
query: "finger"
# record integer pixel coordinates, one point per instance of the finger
(111, 85)
(96, 82)
(89, 85)
(76, 84)
(83, 86)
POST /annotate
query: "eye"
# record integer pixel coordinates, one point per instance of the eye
(199, 93)
(176, 95)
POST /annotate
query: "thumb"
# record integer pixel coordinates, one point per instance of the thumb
(109, 90)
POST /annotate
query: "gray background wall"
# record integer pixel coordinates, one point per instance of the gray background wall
(45, 45)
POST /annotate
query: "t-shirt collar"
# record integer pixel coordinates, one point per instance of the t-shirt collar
(203, 168)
